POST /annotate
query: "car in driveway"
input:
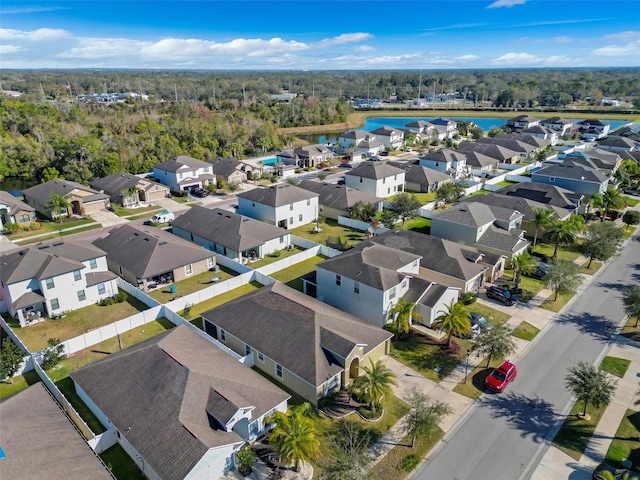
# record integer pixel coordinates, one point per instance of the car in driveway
(502, 295)
(618, 473)
(540, 272)
(474, 331)
(501, 377)
(477, 319)
(199, 192)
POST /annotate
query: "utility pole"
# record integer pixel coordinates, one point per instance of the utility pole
(244, 94)
(419, 87)
(434, 93)
(175, 90)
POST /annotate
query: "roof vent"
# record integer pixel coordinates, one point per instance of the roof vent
(162, 243)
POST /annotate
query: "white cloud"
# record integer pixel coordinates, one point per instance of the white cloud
(24, 10)
(343, 39)
(627, 36)
(516, 58)
(34, 35)
(364, 48)
(630, 49)
(465, 58)
(99, 48)
(6, 49)
(522, 59)
(506, 3)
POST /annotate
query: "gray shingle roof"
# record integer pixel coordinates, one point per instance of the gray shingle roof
(289, 327)
(556, 121)
(174, 164)
(439, 255)
(523, 137)
(94, 278)
(500, 239)
(572, 170)
(39, 441)
(278, 195)
(15, 205)
(157, 392)
(445, 155)
(542, 193)
(491, 150)
(386, 131)
(375, 170)
(339, 197)
(225, 166)
(371, 264)
(619, 141)
(28, 299)
(148, 251)
(476, 214)
(356, 134)
(116, 183)
(477, 159)
(415, 173)
(510, 143)
(433, 295)
(523, 118)
(42, 193)
(522, 205)
(228, 229)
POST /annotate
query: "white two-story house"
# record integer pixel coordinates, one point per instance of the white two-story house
(184, 173)
(558, 124)
(446, 128)
(391, 138)
(284, 205)
(445, 160)
(353, 138)
(376, 178)
(53, 277)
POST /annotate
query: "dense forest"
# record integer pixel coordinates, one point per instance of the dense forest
(47, 132)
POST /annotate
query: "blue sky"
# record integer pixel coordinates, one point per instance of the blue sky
(319, 35)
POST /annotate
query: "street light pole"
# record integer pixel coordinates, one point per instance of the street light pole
(466, 366)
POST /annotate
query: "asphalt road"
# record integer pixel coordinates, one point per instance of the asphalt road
(503, 438)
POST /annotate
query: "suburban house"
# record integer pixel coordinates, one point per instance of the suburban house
(308, 346)
(376, 178)
(184, 173)
(307, 156)
(13, 210)
(82, 199)
(422, 179)
(534, 140)
(179, 405)
(391, 138)
(521, 122)
(149, 257)
(486, 227)
(229, 233)
(39, 440)
(353, 138)
(369, 148)
(126, 189)
(366, 280)
(446, 262)
(479, 162)
(523, 148)
(605, 161)
(500, 152)
(50, 278)
(369, 279)
(446, 128)
(421, 128)
(544, 133)
(552, 197)
(619, 143)
(338, 200)
(445, 160)
(558, 124)
(626, 131)
(592, 129)
(233, 172)
(572, 176)
(284, 205)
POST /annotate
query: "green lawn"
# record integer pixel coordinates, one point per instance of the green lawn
(556, 305)
(474, 387)
(274, 257)
(632, 202)
(423, 197)
(19, 382)
(417, 224)
(53, 236)
(595, 266)
(566, 253)
(121, 464)
(631, 329)
(526, 331)
(292, 275)
(530, 286)
(213, 302)
(191, 284)
(479, 192)
(625, 444)
(330, 228)
(76, 323)
(575, 433)
(505, 183)
(615, 366)
(491, 314)
(125, 212)
(47, 226)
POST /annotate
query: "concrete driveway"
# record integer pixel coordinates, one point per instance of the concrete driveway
(108, 219)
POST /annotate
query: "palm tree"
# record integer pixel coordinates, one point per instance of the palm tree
(403, 312)
(541, 218)
(523, 263)
(596, 202)
(454, 320)
(561, 233)
(59, 204)
(375, 382)
(612, 200)
(131, 193)
(294, 436)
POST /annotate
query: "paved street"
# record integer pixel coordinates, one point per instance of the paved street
(503, 436)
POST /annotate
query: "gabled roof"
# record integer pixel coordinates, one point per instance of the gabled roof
(491, 150)
(158, 394)
(620, 142)
(538, 130)
(524, 118)
(477, 159)
(439, 255)
(305, 151)
(443, 121)
(572, 170)
(510, 143)
(116, 183)
(356, 134)
(14, 204)
(39, 441)
(543, 193)
(626, 131)
(522, 205)
(556, 121)
(386, 131)
(594, 158)
(500, 239)
(366, 144)
(419, 124)
(42, 193)
(225, 166)
(339, 197)
(300, 333)
(149, 251)
(592, 122)
(476, 214)
(444, 155)
(420, 175)
(46, 260)
(175, 164)
(278, 195)
(228, 229)
(524, 137)
(375, 170)
(371, 264)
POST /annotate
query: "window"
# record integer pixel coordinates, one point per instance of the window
(101, 289)
(552, 179)
(360, 179)
(55, 305)
(291, 206)
(210, 262)
(179, 175)
(81, 295)
(300, 217)
(188, 269)
(338, 280)
(415, 264)
(392, 293)
(253, 204)
(24, 219)
(404, 283)
(356, 287)
(247, 349)
(93, 264)
(49, 283)
(223, 335)
(261, 356)
(388, 190)
(278, 370)
(281, 238)
(308, 202)
(290, 220)
(77, 275)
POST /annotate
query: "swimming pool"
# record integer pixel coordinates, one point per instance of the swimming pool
(269, 161)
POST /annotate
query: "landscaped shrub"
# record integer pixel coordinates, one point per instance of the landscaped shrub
(370, 414)
(409, 462)
(468, 298)
(12, 227)
(118, 298)
(52, 355)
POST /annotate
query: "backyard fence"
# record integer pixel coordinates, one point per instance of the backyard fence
(289, 261)
(308, 244)
(360, 225)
